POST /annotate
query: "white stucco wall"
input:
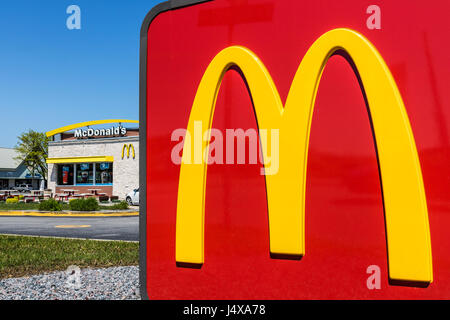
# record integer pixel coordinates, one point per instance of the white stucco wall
(125, 171)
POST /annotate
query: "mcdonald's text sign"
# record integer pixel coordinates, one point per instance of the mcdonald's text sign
(358, 205)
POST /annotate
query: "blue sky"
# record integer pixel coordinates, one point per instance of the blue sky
(51, 76)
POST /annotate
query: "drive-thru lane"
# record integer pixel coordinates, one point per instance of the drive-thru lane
(104, 228)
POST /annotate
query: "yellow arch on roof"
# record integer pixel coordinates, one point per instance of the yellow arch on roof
(87, 123)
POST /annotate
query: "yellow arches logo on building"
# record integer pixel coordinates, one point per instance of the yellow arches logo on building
(406, 216)
(129, 148)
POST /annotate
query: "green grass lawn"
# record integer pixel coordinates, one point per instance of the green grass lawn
(22, 256)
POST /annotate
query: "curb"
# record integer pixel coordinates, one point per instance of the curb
(67, 214)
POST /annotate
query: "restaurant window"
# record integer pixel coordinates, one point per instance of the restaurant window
(85, 173)
(23, 181)
(65, 175)
(103, 173)
(4, 184)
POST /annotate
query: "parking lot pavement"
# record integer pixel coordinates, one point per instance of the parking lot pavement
(104, 228)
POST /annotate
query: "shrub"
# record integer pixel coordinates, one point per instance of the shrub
(76, 204)
(103, 198)
(50, 205)
(12, 200)
(123, 205)
(89, 204)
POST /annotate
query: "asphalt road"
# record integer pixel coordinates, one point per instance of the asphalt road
(104, 228)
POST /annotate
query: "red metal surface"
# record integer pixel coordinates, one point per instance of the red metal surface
(344, 209)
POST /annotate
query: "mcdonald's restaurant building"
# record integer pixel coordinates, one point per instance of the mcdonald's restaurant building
(98, 155)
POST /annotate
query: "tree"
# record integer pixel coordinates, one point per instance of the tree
(32, 150)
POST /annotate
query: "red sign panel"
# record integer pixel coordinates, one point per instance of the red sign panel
(295, 150)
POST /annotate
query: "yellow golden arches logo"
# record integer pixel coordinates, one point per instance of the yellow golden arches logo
(129, 148)
(406, 216)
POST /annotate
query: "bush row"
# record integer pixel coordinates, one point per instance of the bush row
(89, 204)
(123, 205)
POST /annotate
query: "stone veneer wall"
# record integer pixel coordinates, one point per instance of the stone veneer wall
(125, 171)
